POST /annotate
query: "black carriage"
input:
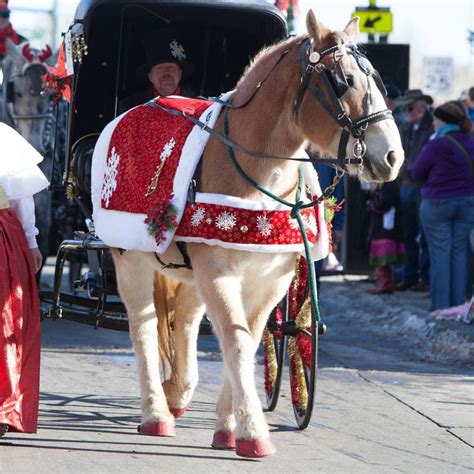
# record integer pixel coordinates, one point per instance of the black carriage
(106, 41)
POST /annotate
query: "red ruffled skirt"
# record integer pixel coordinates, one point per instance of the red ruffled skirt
(20, 330)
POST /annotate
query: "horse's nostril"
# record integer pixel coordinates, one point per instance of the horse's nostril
(391, 158)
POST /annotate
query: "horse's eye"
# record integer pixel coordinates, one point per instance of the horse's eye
(350, 80)
(19, 95)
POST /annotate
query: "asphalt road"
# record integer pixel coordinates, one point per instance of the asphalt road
(378, 409)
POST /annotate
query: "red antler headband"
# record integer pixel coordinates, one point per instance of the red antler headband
(45, 53)
(27, 53)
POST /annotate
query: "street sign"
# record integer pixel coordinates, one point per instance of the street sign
(374, 20)
(438, 74)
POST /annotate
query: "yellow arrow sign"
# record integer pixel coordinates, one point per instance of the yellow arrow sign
(374, 20)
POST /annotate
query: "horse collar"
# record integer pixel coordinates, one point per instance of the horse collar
(335, 85)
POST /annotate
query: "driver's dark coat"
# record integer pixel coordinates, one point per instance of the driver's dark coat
(145, 95)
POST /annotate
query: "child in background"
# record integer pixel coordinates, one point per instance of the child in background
(385, 233)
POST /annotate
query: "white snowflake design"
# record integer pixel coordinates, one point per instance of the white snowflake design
(226, 220)
(293, 223)
(198, 216)
(177, 50)
(311, 223)
(264, 226)
(168, 149)
(110, 178)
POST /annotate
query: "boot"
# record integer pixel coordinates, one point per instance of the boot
(384, 281)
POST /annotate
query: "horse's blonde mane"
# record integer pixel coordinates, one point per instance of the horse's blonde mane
(260, 67)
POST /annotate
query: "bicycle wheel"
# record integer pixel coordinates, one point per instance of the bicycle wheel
(273, 342)
(302, 346)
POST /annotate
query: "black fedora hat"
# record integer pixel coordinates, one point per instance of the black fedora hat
(164, 45)
(413, 95)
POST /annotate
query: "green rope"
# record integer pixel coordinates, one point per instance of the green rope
(295, 213)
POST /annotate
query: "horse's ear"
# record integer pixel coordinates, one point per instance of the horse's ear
(315, 28)
(352, 28)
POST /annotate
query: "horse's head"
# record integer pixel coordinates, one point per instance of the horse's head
(27, 106)
(358, 128)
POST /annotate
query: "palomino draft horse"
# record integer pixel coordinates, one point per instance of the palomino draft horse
(313, 89)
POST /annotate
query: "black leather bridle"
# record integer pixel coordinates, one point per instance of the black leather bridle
(334, 86)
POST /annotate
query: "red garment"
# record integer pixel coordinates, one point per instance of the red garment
(20, 329)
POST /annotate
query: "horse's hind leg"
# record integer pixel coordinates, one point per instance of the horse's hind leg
(189, 310)
(135, 278)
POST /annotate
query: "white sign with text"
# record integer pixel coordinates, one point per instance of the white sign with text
(438, 75)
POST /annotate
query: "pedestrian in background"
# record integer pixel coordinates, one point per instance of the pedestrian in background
(20, 259)
(414, 134)
(385, 233)
(446, 165)
(392, 99)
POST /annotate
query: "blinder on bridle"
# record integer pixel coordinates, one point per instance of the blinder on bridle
(35, 73)
(10, 92)
(338, 79)
(336, 85)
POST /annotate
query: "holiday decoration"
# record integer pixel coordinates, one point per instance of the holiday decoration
(331, 206)
(269, 340)
(110, 177)
(79, 48)
(162, 218)
(177, 50)
(58, 79)
(299, 346)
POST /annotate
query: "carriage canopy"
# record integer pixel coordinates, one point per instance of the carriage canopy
(220, 37)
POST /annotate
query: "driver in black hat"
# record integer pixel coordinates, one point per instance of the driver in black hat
(167, 65)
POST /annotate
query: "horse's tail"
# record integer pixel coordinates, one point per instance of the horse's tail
(164, 295)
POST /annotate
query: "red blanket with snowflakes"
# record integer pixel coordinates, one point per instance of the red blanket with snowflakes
(143, 157)
(142, 166)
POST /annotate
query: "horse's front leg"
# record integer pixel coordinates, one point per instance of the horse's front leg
(189, 310)
(135, 277)
(225, 425)
(259, 305)
(221, 292)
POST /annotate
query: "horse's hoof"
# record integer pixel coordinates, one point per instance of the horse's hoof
(177, 412)
(223, 440)
(157, 428)
(255, 448)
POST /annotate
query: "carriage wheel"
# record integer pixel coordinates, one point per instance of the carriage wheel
(302, 346)
(273, 342)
